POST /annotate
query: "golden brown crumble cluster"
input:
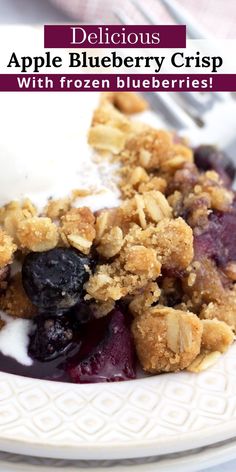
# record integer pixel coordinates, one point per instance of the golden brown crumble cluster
(7, 249)
(184, 307)
(173, 338)
(14, 301)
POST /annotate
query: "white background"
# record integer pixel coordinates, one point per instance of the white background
(40, 11)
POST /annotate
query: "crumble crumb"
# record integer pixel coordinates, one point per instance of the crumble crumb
(142, 209)
(154, 183)
(172, 239)
(107, 284)
(107, 138)
(111, 243)
(220, 197)
(2, 323)
(81, 192)
(132, 178)
(55, 209)
(105, 219)
(107, 114)
(147, 297)
(148, 149)
(7, 249)
(129, 102)
(198, 194)
(203, 361)
(28, 208)
(11, 215)
(136, 176)
(14, 300)
(223, 310)
(181, 155)
(207, 283)
(156, 206)
(4, 277)
(37, 234)
(141, 260)
(78, 229)
(216, 336)
(166, 340)
(111, 282)
(154, 149)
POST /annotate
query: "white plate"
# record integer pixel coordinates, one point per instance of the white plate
(187, 461)
(145, 417)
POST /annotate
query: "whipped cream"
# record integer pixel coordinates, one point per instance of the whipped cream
(14, 339)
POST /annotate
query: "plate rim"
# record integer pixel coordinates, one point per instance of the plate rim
(186, 461)
(137, 445)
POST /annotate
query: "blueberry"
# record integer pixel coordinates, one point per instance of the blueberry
(107, 352)
(53, 280)
(51, 337)
(209, 157)
(218, 239)
(82, 313)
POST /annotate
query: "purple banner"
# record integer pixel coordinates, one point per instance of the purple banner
(122, 82)
(114, 36)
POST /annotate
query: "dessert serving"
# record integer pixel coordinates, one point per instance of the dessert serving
(137, 270)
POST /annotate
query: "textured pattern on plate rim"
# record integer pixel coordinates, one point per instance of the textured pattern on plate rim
(156, 415)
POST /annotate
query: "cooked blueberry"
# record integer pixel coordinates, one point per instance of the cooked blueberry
(50, 337)
(218, 240)
(54, 280)
(107, 352)
(82, 313)
(209, 157)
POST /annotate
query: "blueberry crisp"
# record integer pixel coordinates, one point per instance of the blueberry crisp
(149, 283)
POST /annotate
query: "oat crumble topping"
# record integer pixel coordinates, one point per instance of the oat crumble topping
(182, 300)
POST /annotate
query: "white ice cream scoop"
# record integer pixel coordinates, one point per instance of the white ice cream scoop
(43, 145)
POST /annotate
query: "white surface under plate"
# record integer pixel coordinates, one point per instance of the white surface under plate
(145, 417)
